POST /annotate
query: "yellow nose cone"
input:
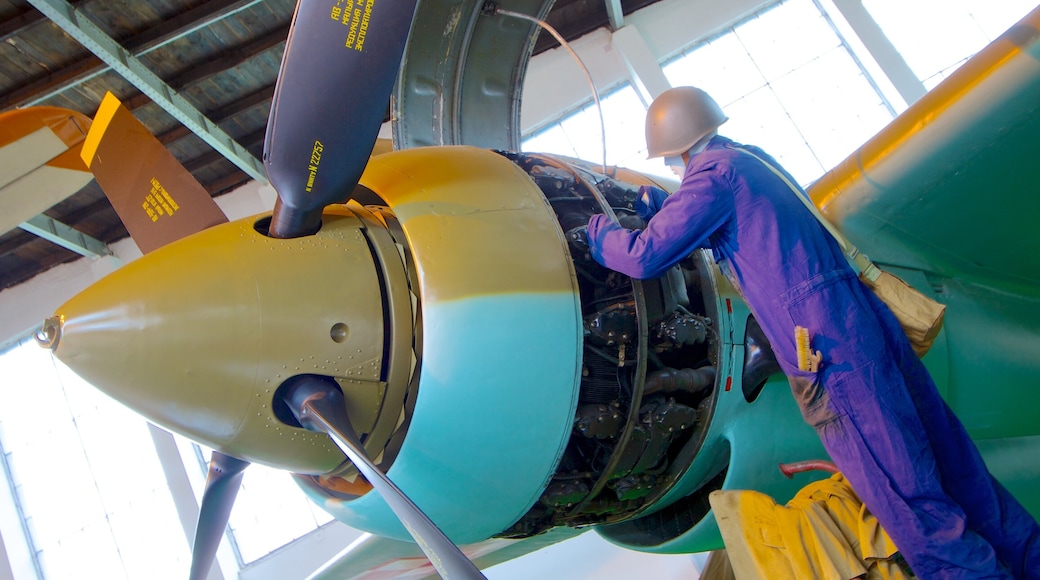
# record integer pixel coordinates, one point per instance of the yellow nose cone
(198, 335)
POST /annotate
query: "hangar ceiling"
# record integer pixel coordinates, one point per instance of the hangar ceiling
(220, 56)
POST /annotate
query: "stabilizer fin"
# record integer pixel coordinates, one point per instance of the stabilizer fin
(158, 199)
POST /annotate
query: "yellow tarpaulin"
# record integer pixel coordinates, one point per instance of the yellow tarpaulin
(824, 533)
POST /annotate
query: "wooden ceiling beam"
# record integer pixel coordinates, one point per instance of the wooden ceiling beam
(231, 58)
(229, 181)
(575, 18)
(242, 105)
(14, 239)
(247, 141)
(16, 24)
(53, 83)
(132, 69)
(85, 213)
(30, 260)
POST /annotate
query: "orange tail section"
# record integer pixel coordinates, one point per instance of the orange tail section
(158, 200)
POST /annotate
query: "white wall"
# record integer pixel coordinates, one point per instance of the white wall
(555, 83)
(24, 307)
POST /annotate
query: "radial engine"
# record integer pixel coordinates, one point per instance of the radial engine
(502, 378)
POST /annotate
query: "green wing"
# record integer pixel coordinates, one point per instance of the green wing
(952, 187)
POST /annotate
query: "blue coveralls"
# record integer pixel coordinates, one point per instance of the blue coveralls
(872, 402)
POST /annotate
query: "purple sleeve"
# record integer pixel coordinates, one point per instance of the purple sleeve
(701, 205)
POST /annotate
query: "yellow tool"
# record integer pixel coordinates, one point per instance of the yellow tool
(808, 359)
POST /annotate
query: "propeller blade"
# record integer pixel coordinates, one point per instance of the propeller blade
(222, 483)
(158, 200)
(337, 72)
(319, 406)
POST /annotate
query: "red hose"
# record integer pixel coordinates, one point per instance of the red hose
(789, 469)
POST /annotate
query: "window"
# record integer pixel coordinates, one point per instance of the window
(270, 509)
(785, 77)
(790, 85)
(91, 492)
(86, 476)
(935, 37)
(790, 82)
(578, 134)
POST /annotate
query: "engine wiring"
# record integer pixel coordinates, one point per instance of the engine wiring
(490, 7)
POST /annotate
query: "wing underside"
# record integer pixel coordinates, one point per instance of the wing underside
(39, 161)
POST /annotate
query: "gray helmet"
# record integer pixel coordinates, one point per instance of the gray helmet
(678, 119)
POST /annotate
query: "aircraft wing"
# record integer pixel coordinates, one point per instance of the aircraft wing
(950, 187)
(39, 161)
(377, 558)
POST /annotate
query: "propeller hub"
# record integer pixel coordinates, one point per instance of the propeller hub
(199, 335)
(50, 333)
